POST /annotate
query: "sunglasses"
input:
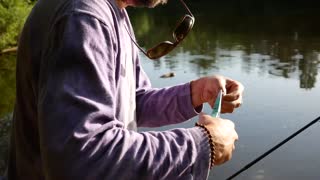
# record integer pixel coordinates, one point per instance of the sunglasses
(180, 32)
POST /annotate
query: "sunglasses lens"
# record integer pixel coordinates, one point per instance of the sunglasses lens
(160, 50)
(183, 28)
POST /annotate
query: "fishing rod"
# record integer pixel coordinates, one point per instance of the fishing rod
(273, 149)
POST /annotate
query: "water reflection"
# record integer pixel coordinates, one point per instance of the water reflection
(292, 55)
(309, 70)
(271, 58)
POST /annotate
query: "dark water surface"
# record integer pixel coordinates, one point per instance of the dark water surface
(273, 49)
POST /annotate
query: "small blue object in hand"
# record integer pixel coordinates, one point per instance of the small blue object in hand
(217, 106)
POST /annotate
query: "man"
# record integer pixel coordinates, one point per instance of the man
(81, 93)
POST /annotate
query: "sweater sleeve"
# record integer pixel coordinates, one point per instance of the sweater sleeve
(80, 137)
(162, 106)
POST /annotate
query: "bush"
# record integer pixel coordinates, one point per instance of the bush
(12, 16)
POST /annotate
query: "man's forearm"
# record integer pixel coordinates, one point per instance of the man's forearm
(158, 107)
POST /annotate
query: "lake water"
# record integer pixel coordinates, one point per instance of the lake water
(275, 54)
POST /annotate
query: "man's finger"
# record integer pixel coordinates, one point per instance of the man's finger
(231, 97)
(233, 85)
(228, 107)
(226, 110)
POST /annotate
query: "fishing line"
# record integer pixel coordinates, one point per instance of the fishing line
(272, 149)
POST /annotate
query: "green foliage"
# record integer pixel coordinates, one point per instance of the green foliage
(7, 90)
(12, 16)
(7, 83)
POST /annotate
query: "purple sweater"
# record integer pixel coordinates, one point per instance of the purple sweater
(81, 94)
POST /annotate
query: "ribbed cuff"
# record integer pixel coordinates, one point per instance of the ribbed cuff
(185, 102)
(202, 163)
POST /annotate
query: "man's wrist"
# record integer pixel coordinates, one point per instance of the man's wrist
(202, 161)
(211, 143)
(196, 100)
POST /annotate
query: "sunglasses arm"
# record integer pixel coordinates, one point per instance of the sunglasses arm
(186, 7)
(140, 48)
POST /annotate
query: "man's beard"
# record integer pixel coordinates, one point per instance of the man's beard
(148, 3)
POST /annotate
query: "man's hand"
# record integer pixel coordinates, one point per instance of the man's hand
(224, 136)
(206, 90)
